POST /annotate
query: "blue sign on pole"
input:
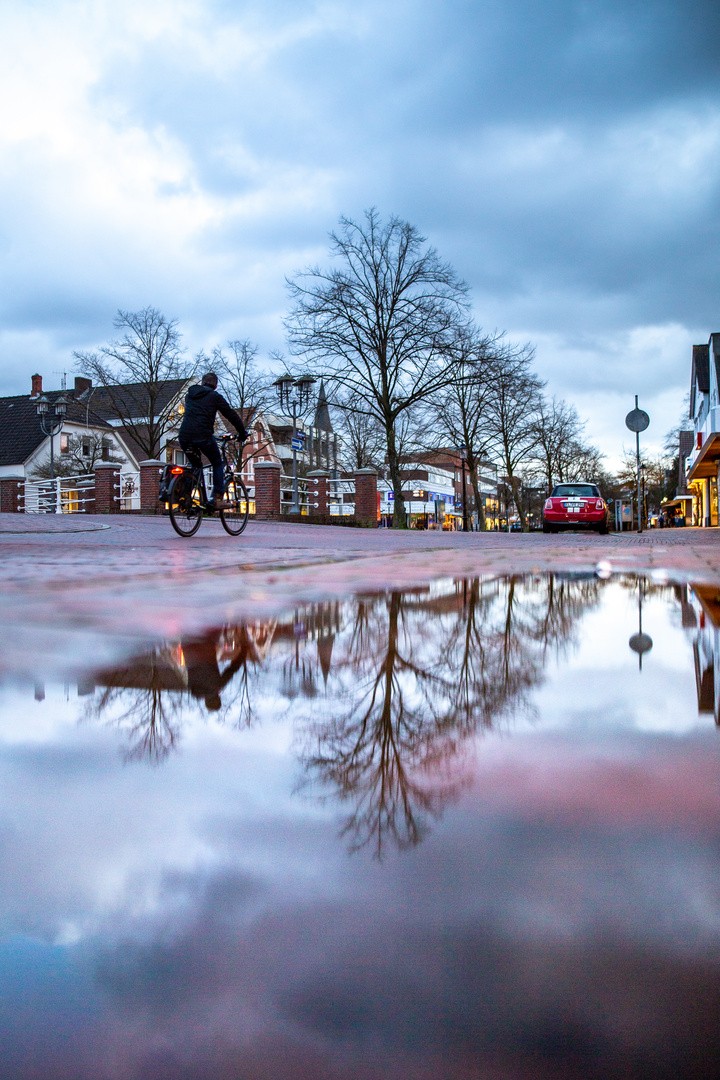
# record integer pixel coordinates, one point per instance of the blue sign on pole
(297, 444)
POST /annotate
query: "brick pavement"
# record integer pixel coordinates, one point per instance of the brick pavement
(125, 580)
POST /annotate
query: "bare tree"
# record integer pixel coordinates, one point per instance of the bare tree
(671, 442)
(136, 373)
(557, 427)
(458, 412)
(244, 384)
(561, 454)
(83, 453)
(362, 438)
(380, 324)
(511, 409)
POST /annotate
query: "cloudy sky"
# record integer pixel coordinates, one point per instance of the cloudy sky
(564, 156)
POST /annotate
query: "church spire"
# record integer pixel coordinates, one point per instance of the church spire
(322, 412)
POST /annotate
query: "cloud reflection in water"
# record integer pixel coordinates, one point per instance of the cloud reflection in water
(561, 917)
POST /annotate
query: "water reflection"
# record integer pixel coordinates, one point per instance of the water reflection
(384, 689)
(561, 918)
(702, 611)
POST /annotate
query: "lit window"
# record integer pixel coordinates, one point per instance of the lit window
(64, 444)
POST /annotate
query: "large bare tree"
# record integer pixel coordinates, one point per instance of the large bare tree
(458, 412)
(379, 324)
(561, 454)
(511, 410)
(136, 372)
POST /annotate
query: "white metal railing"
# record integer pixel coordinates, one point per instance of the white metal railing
(286, 494)
(76, 494)
(337, 490)
(63, 495)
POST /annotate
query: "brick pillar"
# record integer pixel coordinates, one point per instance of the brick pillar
(107, 488)
(366, 496)
(320, 492)
(267, 489)
(150, 471)
(10, 488)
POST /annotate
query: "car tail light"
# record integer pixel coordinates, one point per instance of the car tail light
(599, 504)
(176, 470)
(548, 504)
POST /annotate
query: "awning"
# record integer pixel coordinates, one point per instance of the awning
(673, 504)
(706, 463)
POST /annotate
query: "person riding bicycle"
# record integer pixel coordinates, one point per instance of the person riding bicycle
(202, 404)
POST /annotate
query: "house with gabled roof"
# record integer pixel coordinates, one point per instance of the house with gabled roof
(703, 463)
(147, 415)
(24, 446)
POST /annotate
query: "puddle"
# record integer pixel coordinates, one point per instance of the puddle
(464, 831)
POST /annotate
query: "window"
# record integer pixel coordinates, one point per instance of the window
(64, 444)
(584, 490)
(86, 448)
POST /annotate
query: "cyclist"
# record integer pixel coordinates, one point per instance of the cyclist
(202, 404)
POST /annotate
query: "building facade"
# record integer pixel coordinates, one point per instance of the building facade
(703, 462)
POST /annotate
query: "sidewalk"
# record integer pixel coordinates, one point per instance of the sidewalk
(130, 579)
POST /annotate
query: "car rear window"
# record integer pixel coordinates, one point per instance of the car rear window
(587, 490)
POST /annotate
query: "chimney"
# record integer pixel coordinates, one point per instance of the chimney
(81, 385)
(36, 386)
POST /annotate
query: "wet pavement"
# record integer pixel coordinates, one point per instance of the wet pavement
(136, 580)
(354, 805)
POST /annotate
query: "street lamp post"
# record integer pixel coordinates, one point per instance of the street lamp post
(51, 424)
(462, 450)
(294, 397)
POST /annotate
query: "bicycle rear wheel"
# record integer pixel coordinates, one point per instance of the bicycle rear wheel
(236, 507)
(185, 505)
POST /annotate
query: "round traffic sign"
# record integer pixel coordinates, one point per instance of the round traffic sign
(640, 643)
(637, 420)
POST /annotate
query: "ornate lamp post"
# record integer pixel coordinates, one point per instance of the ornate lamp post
(294, 397)
(462, 450)
(51, 422)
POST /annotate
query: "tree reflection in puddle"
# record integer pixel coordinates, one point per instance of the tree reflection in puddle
(384, 690)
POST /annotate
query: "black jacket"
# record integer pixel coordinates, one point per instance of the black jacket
(202, 404)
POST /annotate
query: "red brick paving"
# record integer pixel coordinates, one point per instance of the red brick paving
(136, 579)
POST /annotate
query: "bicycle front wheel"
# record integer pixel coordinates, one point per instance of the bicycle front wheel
(236, 507)
(185, 505)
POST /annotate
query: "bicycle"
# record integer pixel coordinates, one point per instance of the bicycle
(187, 499)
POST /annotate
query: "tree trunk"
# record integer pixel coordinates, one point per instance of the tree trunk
(475, 484)
(399, 515)
(515, 485)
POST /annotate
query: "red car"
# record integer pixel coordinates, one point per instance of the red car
(575, 506)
